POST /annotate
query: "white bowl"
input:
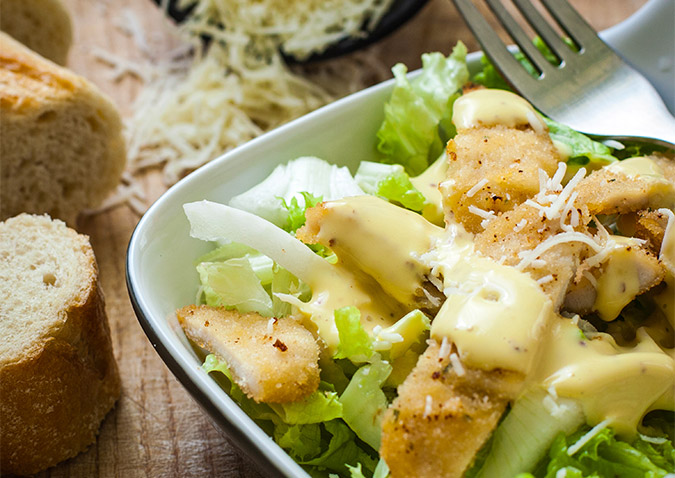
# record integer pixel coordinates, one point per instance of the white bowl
(161, 276)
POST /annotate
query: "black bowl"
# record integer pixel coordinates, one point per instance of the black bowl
(400, 12)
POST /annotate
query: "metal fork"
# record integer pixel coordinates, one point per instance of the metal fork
(591, 90)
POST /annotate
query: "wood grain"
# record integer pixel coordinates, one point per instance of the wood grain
(156, 429)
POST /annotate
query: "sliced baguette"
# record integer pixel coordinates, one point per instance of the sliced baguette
(58, 377)
(62, 149)
(44, 26)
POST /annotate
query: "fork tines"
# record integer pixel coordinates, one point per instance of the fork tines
(571, 23)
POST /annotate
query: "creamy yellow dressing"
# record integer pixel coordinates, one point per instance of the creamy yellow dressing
(337, 287)
(640, 166)
(619, 282)
(666, 298)
(497, 316)
(611, 382)
(488, 107)
(493, 313)
(382, 240)
(378, 270)
(659, 189)
(427, 183)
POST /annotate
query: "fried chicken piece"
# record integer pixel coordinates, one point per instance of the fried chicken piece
(628, 271)
(523, 229)
(494, 169)
(443, 415)
(666, 162)
(381, 240)
(272, 360)
(619, 190)
(647, 225)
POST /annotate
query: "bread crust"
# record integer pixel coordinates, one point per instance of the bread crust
(42, 25)
(56, 392)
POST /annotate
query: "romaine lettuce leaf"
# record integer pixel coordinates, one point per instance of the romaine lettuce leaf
(410, 134)
(342, 450)
(233, 283)
(321, 406)
(390, 182)
(355, 343)
(578, 146)
(309, 174)
(225, 252)
(605, 455)
(316, 438)
(364, 402)
(296, 211)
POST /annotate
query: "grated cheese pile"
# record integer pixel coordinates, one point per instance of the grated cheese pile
(299, 27)
(198, 103)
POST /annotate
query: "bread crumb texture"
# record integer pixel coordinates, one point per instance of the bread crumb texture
(62, 149)
(44, 26)
(58, 377)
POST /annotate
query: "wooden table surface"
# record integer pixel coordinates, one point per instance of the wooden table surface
(156, 429)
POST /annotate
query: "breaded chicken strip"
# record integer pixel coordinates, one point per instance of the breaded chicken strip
(443, 415)
(272, 360)
(612, 190)
(523, 229)
(627, 272)
(494, 169)
(646, 225)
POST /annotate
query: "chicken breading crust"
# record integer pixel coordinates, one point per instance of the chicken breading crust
(273, 360)
(443, 415)
(494, 169)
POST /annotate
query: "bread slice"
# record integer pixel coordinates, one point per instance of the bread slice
(44, 26)
(62, 148)
(58, 376)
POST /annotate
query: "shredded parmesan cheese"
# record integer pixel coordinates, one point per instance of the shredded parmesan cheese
(520, 225)
(444, 351)
(457, 364)
(587, 437)
(197, 104)
(545, 280)
(428, 403)
(591, 278)
(476, 187)
(528, 257)
(486, 215)
(270, 325)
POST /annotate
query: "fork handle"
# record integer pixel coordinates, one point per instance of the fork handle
(631, 110)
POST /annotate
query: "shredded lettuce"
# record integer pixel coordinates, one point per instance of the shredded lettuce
(296, 211)
(604, 455)
(390, 182)
(296, 219)
(321, 406)
(311, 431)
(309, 174)
(225, 252)
(523, 437)
(355, 343)
(233, 283)
(580, 149)
(418, 115)
(364, 402)
(341, 451)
